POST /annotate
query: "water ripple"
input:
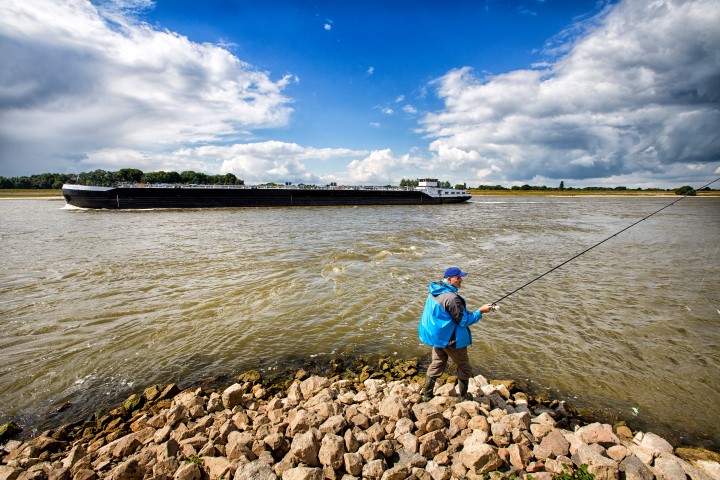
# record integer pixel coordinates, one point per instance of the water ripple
(96, 305)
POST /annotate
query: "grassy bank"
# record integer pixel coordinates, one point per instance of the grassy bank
(29, 193)
(584, 193)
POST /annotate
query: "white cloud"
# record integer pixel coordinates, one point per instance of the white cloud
(637, 96)
(409, 109)
(77, 80)
(270, 161)
(371, 70)
(327, 27)
(381, 167)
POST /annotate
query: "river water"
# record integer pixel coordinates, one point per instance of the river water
(96, 305)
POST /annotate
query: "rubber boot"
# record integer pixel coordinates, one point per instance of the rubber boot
(427, 393)
(463, 388)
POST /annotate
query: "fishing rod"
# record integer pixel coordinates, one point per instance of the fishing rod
(495, 303)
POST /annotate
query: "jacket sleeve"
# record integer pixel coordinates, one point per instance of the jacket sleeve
(456, 308)
(459, 312)
(470, 317)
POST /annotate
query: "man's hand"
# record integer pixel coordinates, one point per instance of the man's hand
(486, 308)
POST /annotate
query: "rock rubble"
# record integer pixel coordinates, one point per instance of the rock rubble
(342, 429)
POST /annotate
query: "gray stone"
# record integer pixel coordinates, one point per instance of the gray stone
(9, 473)
(397, 473)
(668, 467)
(480, 458)
(332, 450)
(644, 454)
(553, 445)
(303, 473)
(432, 443)
(602, 467)
(232, 396)
(256, 470)
(635, 469)
(333, 424)
(305, 449)
(177, 414)
(521, 421)
(598, 433)
(438, 472)
(393, 408)
(477, 437)
(313, 385)
(217, 467)
(353, 463)
(409, 442)
(128, 470)
(520, 455)
(374, 470)
(654, 443)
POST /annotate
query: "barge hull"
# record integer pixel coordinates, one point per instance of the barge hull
(121, 198)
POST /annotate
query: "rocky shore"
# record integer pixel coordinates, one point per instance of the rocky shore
(369, 423)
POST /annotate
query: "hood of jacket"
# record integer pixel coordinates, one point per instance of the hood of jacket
(436, 289)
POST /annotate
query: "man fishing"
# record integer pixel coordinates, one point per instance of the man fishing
(444, 326)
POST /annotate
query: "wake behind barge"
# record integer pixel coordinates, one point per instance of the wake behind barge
(128, 196)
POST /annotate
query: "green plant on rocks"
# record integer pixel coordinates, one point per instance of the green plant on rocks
(580, 474)
(196, 460)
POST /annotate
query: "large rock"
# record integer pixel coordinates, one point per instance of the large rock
(477, 437)
(521, 421)
(653, 443)
(353, 463)
(334, 424)
(520, 455)
(313, 385)
(393, 408)
(128, 470)
(218, 467)
(9, 473)
(332, 451)
(255, 470)
(634, 469)
(303, 473)
(602, 467)
(553, 445)
(433, 443)
(480, 459)
(305, 449)
(374, 469)
(232, 396)
(708, 462)
(399, 472)
(668, 467)
(598, 433)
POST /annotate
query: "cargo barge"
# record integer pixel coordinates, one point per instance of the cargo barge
(132, 196)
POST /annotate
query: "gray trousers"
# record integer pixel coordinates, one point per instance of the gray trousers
(459, 356)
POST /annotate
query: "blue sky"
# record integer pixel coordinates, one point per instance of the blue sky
(485, 92)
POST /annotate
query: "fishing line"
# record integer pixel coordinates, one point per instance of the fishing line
(596, 245)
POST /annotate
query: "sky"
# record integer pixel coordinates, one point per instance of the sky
(485, 92)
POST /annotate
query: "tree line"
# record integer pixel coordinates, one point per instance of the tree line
(684, 190)
(107, 178)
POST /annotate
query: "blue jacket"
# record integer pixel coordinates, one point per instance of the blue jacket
(446, 318)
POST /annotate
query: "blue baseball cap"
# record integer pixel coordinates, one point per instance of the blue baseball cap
(454, 272)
